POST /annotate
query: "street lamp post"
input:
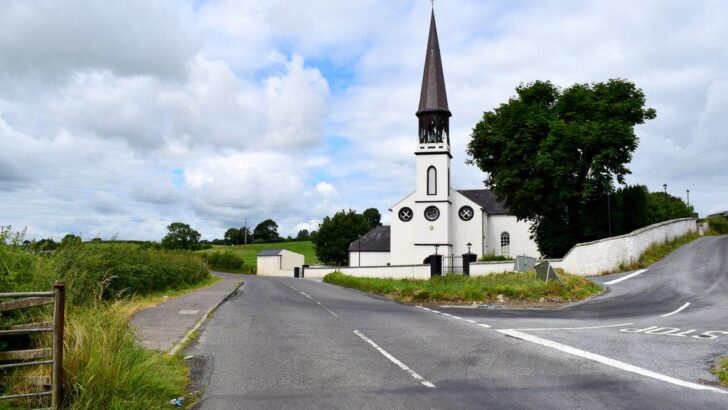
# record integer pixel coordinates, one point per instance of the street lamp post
(469, 245)
(667, 211)
(609, 213)
(688, 192)
(359, 258)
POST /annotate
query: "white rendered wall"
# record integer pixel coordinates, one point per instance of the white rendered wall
(404, 235)
(462, 232)
(268, 265)
(432, 155)
(606, 255)
(521, 244)
(488, 268)
(391, 272)
(290, 260)
(368, 258)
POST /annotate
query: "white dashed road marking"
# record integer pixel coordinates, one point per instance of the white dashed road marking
(631, 275)
(189, 312)
(395, 361)
(607, 361)
(676, 311)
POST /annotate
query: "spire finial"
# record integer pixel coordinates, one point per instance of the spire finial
(433, 4)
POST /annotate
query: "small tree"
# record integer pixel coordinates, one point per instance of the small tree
(70, 240)
(336, 233)
(266, 231)
(181, 236)
(233, 237)
(373, 216)
(303, 235)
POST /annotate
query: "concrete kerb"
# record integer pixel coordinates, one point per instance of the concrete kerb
(202, 320)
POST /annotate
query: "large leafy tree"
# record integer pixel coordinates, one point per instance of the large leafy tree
(266, 231)
(549, 152)
(181, 236)
(336, 233)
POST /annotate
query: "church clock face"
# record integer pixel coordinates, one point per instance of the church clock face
(405, 214)
(466, 213)
(432, 213)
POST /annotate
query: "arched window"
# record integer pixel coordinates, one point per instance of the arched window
(431, 181)
(506, 244)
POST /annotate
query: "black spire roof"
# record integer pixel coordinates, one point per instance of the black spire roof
(433, 96)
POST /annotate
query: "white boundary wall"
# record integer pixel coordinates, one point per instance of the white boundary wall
(391, 272)
(590, 258)
(487, 268)
(605, 255)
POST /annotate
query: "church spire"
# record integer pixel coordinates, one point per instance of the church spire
(433, 112)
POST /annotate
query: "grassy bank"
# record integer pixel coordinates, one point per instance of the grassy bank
(522, 287)
(659, 251)
(248, 253)
(105, 284)
(721, 370)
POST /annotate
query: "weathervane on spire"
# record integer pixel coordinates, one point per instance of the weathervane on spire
(433, 3)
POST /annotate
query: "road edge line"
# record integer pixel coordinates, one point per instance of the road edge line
(202, 320)
(607, 361)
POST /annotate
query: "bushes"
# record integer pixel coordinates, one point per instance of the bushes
(227, 261)
(718, 225)
(112, 271)
(101, 271)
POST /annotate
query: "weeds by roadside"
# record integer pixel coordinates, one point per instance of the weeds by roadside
(721, 370)
(657, 252)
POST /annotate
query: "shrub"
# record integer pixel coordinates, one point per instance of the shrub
(494, 258)
(718, 224)
(225, 261)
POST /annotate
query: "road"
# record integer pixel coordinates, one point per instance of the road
(647, 343)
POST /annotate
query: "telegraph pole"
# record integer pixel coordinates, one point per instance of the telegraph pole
(245, 228)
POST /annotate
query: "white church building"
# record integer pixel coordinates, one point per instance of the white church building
(437, 217)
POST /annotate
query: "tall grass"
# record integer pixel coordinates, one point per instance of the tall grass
(105, 368)
(457, 288)
(721, 370)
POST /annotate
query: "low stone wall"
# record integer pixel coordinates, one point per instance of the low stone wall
(392, 272)
(487, 268)
(607, 255)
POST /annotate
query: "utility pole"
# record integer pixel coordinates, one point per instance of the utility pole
(245, 228)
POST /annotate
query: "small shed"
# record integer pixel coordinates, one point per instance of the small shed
(278, 262)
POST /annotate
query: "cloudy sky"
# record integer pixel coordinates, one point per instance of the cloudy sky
(117, 118)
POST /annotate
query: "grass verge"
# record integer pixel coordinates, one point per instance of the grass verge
(659, 251)
(522, 287)
(721, 370)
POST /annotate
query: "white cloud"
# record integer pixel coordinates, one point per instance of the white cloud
(122, 117)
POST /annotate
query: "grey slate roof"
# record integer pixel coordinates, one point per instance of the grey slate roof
(376, 240)
(433, 96)
(270, 252)
(486, 199)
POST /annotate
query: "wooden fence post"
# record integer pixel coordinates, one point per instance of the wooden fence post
(59, 290)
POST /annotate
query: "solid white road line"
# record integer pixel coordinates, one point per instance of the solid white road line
(306, 295)
(453, 316)
(609, 362)
(395, 361)
(574, 328)
(676, 311)
(631, 275)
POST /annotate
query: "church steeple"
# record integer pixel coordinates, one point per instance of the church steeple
(433, 112)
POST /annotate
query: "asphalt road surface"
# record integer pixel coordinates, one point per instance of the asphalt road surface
(646, 344)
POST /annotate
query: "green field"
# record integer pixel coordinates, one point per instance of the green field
(249, 252)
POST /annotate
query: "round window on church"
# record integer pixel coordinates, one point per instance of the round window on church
(466, 213)
(405, 214)
(432, 213)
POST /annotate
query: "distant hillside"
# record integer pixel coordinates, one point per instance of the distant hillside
(249, 252)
